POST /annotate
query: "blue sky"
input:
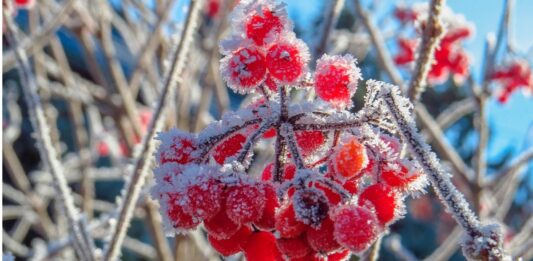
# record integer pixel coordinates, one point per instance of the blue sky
(511, 124)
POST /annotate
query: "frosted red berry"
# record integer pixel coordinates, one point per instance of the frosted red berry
(267, 220)
(309, 141)
(263, 24)
(399, 177)
(244, 69)
(261, 246)
(355, 227)
(221, 226)
(232, 245)
(228, 148)
(245, 203)
(336, 79)
(286, 223)
(287, 60)
(288, 172)
(177, 146)
(349, 159)
(311, 206)
(293, 247)
(383, 199)
(177, 216)
(322, 239)
(203, 200)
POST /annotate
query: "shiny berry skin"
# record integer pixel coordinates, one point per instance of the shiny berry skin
(401, 178)
(311, 206)
(309, 141)
(221, 226)
(228, 148)
(203, 200)
(349, 159)
(383, 199)
(293, 247)
(354, 227)
(287, 60)
(244, 69)
(336, 79)
(245, 203)
(267, 220)
(321, 239)
(261, 246)
(262, 25)
(232, 245)
(286, 223)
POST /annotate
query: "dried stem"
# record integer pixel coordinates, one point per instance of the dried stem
(148, 146)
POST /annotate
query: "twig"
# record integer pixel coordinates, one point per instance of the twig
(430, 40)
(331, 15)
(142, 164)
(44, 142)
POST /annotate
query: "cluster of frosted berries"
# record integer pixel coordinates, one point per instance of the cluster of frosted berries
(326, 194)
(450, 56)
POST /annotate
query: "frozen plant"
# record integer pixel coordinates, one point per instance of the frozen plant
(339, 179)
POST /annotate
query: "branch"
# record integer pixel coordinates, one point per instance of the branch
(142, 164)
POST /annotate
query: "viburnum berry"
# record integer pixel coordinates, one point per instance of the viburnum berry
(228, 148)
(176, 146)
(267, 220)
(310, 141)
(233, 244)
(287, 59)
(288, 172)
(383, 199)
(245, 202)
(244, 69)
(310, 206)
(286, 223)
(262, 24)
(336, 79)
(178, 218)
(332, 195)
(293, 247)
(321, 239)
(221, 226)
(354, 227)
(349, 159)
(400, 176)
(203, 199)
(261, 246)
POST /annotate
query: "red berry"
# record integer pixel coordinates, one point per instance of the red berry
(293, 247)
(332, 196)
(399, 178)
(176, 146)
(321, 239)
(286, 223)
(232, 245)
(287, 60)
(271, 84)
(261, 246)
(178, 218)
(309, 141)
(351, 185)
(263, 24)
(349, 159)
(228, 148)
(336, 79)
(244, 69)
(310, 206)
(203, 200)
(383, 199)
(287, 174)
(221, 226)
(267, 220)
(339, 256)
(354, 227)
(245, 203)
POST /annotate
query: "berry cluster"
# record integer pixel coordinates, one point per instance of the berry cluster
(514, 76)
(450, 57)
(337, 180)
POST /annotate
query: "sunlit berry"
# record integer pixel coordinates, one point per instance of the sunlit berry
(354, 227)
(287, 60)
(349, 159)
(177, 216)
(321, 239)
(336, 79)
(203, 199)
(244, 69)
(310, 141)
(263, 24)
(221, 226)
(286, 223)
(399, 177)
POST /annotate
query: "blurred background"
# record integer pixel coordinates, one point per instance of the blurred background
(99, 66)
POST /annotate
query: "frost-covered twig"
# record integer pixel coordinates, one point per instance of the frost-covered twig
(481, 241)
(331, 15)
(434, 29)
(47, 151)
(142, 164)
